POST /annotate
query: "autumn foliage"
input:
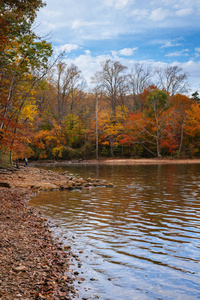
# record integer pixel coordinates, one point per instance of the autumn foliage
(45, 112)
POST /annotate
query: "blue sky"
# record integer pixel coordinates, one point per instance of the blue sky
(153, 32)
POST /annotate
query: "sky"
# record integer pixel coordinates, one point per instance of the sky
(153, 32)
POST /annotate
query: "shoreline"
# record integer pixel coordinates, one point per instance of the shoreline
(117, 161)
(33, 265)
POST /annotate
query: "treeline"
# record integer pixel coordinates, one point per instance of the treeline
(47, 112)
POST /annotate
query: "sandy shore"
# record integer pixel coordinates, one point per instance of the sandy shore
(117, 161)
(149, 161)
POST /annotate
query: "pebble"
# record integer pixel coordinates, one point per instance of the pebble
(20, 269)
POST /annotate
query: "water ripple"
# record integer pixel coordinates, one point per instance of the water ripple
(141, 239)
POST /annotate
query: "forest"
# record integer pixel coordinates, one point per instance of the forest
(47, 111)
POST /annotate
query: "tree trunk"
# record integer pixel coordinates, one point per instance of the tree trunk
(181, 141)
(158, 148)
(111, 146)
(97, 134)
(11, 161)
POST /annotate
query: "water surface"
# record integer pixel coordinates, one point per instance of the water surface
(138, 240)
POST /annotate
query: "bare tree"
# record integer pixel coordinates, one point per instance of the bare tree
(73, 83)
(111, 79)
(172, 79)
(69, 82)
(139, 79)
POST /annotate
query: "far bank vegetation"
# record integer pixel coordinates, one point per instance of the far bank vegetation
(48, 112)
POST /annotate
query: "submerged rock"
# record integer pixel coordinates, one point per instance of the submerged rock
(47, 180)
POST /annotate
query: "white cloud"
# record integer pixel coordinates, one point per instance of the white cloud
(139, 14)
(77, 21)
(118, 4)
(197, 52)
(121, 4)
(184, 12)
(179, 53)
(66, 48)
(52, 13)
(193, 68)
(159, 14)
(79, 24)
(127, 51)
(50, 26)
(168, 44)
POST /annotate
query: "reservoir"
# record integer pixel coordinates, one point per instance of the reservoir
(137, 240)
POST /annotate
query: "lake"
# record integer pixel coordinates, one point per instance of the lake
(137, 240)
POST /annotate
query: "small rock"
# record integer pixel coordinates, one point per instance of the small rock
(20, 269)
(76, 273)
(67, 247)
(110, 185)
(65, 278)
(64, 289)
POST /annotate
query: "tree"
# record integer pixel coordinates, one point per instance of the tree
(150, 129)
(16, 19)
(192, 129)
(195, 96)
(134, 136)
(109, 130)
(111, 80)
(67, 85)
(157, 104)
(23, 62)
(139, 79)
(172, 79)
(27, 65)
(181, 104)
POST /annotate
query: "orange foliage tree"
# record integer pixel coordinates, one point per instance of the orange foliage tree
(192, 129)
(178, 118)
(23, 62)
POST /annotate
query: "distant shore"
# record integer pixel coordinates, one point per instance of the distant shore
(119, 161)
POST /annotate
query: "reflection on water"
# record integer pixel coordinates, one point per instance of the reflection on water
(138, 240)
